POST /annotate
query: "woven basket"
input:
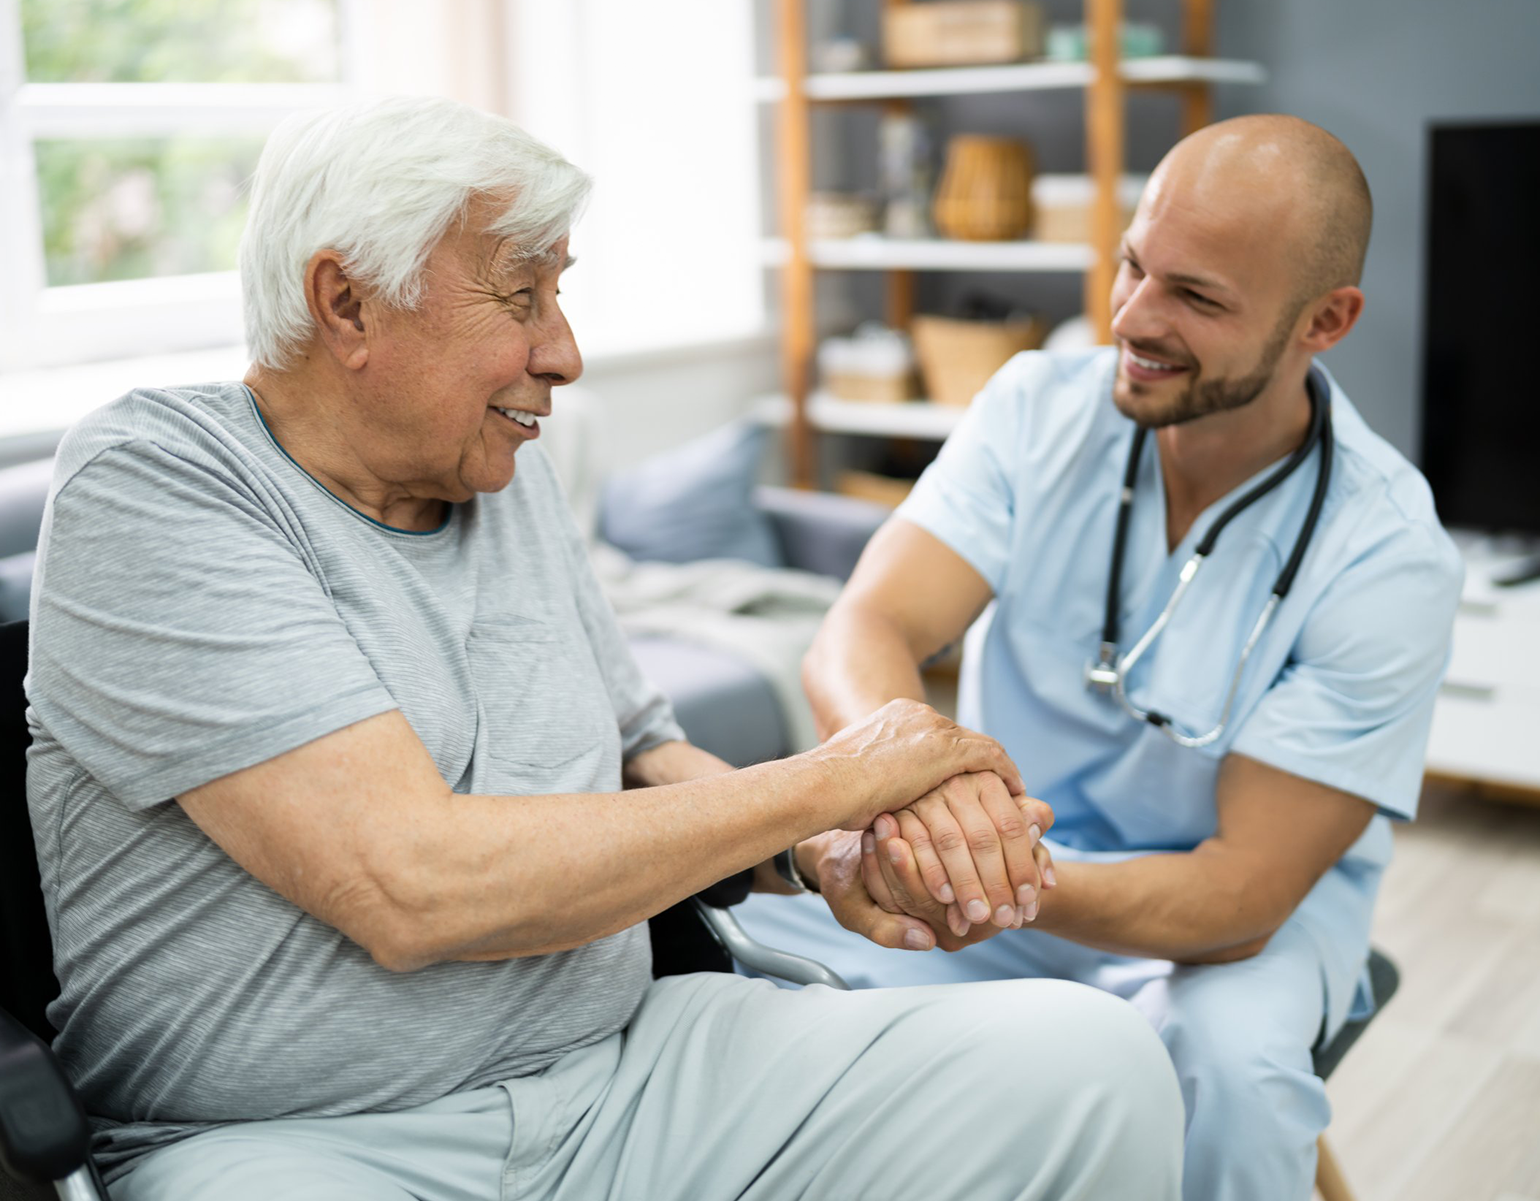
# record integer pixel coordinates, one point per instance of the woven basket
(958, 357)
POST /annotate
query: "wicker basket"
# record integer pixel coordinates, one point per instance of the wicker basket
(958, 357)
(985, 193)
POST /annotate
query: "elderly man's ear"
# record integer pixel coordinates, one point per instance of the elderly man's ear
(337, 308)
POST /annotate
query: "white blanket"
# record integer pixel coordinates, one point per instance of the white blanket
(765, 615)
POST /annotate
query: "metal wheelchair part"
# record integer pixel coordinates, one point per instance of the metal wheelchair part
(783, 965)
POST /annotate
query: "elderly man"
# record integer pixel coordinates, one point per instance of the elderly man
(1222, 749)
(330, 729)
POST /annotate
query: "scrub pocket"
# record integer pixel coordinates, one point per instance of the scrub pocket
(543, 716)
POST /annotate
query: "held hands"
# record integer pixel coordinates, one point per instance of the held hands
(902, 751)
(976, 849)
(966, 848)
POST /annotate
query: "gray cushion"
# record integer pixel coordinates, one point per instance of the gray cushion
(821, 532)
(724, 705)
(16, 585)
(23, 490)
(693, 502)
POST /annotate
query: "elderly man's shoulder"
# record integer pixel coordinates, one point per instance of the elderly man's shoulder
(194, 422)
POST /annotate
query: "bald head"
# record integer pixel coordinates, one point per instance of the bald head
(1298, 187)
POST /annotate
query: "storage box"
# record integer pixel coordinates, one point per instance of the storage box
(962, 33)
(958, 357)
(887, 389)
(876, 363)
(1062, 205)
(840, 215)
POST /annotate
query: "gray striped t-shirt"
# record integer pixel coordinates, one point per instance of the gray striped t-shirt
(201, 604)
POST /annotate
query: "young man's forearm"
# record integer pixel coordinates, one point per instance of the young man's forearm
(859, 662)
(1192, 907)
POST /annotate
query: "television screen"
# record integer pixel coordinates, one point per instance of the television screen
(1480, 380)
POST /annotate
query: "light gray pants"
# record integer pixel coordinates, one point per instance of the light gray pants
(1239, 1034)
(724, 1087)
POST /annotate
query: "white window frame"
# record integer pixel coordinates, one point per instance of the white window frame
(43, 326)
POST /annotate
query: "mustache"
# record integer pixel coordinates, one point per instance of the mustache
(1154, 350)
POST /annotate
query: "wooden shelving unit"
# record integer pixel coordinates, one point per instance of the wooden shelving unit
(1105, 79)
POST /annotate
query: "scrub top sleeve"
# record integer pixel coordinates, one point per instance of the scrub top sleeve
(967, 497)
(1353, 706)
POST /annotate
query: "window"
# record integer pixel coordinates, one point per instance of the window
(654, 100)
(128, 129)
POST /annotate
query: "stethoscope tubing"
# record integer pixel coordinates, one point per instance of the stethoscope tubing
(1111, 670)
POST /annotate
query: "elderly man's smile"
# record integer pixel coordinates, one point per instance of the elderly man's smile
(528, 426)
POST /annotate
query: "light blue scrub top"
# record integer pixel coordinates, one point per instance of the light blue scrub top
(1339, 690)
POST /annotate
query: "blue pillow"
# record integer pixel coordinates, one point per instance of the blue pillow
(693, 502)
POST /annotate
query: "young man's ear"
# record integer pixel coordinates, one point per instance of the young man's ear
(1333, 316)
(337, 309)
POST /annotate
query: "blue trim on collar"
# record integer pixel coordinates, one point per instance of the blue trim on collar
(394, 529)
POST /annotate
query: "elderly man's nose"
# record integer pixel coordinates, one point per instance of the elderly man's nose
(556, 354)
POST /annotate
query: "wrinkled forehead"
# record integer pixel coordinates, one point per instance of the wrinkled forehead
(500, 258)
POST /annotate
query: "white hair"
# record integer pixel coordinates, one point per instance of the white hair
(379, 183)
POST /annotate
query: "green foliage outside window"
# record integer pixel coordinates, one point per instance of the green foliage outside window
(192, 41)
(130, 208)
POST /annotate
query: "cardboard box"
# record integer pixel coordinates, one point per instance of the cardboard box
(962, 33)
(1061, 206)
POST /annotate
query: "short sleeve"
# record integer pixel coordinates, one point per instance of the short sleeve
(966, 498)
(643, 713)
(177, 632)
(1353, 706)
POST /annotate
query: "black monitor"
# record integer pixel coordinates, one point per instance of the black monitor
(1481, 326)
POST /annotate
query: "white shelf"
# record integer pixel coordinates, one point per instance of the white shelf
(873, 252)
(908, 419)
(1012, 77)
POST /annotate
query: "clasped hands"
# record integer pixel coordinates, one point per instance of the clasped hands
(954, 867)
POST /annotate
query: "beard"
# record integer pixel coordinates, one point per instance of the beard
(1202, 397)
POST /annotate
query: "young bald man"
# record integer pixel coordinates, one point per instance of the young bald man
(1222, 791)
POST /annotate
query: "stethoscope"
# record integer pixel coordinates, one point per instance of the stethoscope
(1110, 671)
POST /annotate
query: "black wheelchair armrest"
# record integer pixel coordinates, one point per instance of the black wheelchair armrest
(43, 1131)
(732, 891)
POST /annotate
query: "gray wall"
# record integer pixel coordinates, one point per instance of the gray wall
(1376, 73)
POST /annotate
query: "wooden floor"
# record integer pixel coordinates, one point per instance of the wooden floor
(1440, 1099)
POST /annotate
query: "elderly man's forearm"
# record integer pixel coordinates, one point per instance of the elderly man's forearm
(506, 877)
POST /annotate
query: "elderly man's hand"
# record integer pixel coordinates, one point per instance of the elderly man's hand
(902, 751)
(977, 848)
